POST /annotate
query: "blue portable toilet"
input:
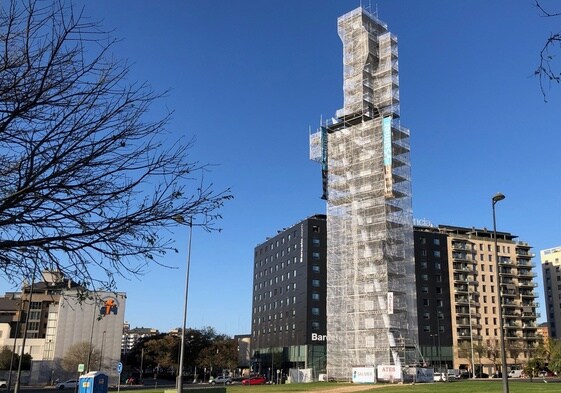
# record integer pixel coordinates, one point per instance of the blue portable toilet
(93, 382)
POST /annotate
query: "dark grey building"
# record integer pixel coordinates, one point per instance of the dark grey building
(433, 297)
(289, 292)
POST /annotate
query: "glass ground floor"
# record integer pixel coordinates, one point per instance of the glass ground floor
(275, 362)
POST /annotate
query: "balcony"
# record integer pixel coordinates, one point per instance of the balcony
(526, 283)
(530, 325)
(462, 256)
(512, 335)
(510, 293)
(530, 294)
(526, 273)
(511, 304)
(464, 246)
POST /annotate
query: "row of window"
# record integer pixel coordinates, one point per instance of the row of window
(276, 279)
(277, 256)
(274, 292)
(274, 305)
(315, 325)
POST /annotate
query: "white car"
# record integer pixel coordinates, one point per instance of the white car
(71, 383)
(221, 380)
(3, 384)
(439, 377)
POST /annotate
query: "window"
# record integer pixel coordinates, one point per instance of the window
(315, 310)
(426, 329)
(315, 255)
(315, 229)
(315, 242)
(436, 253)
(438, 278)
(437, 265)
(315, 283)
(315, 325)
(425, 289)
(315, 296)
(425, 302)
(424, 277)
(436, 242)
(438, 290)
(426, 315)
(423, 265)
(423, 240)
(315, 268)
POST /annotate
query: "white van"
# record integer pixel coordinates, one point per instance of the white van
(515, 373)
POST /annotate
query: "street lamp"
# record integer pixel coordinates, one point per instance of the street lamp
(101, 354)
(181, 220)
(471, 328)
(499, 197)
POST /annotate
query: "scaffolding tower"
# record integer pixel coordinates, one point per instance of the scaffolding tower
(364, 152)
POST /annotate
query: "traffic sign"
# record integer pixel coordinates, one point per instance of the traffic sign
(119, 367)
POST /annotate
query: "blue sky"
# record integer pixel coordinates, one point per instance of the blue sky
(248, 79)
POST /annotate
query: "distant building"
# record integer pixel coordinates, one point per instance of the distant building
(244, 352)
(132, 336)
(59, 317)
(458, 297)
(551, 269)
(543, 331)
(289, 283)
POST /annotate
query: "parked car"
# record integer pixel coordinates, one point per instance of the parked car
(256, 380)
(439, 377)
(3, 384)
(71, 383)
(221, 380)
(546, 373)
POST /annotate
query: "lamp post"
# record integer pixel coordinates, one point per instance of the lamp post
(470, 330)
(499, 197)
(101, 354)
(180, 219)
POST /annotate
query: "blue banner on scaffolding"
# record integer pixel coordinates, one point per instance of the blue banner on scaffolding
(324, 194)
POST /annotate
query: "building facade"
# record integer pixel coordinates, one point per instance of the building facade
(551, 269)
(60, 316)
(457, 283)
(132, 336)
(364, 153)
(289, 284)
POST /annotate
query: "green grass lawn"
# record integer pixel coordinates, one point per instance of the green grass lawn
(495, 386)
(456, 387)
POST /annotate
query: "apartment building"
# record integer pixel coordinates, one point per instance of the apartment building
(551, 269)
(467, 305)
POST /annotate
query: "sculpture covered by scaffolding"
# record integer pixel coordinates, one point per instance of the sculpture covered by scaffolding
(364, 152)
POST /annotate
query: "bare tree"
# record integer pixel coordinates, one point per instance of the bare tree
(548, 71)
(89, 186)
(79, 354)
